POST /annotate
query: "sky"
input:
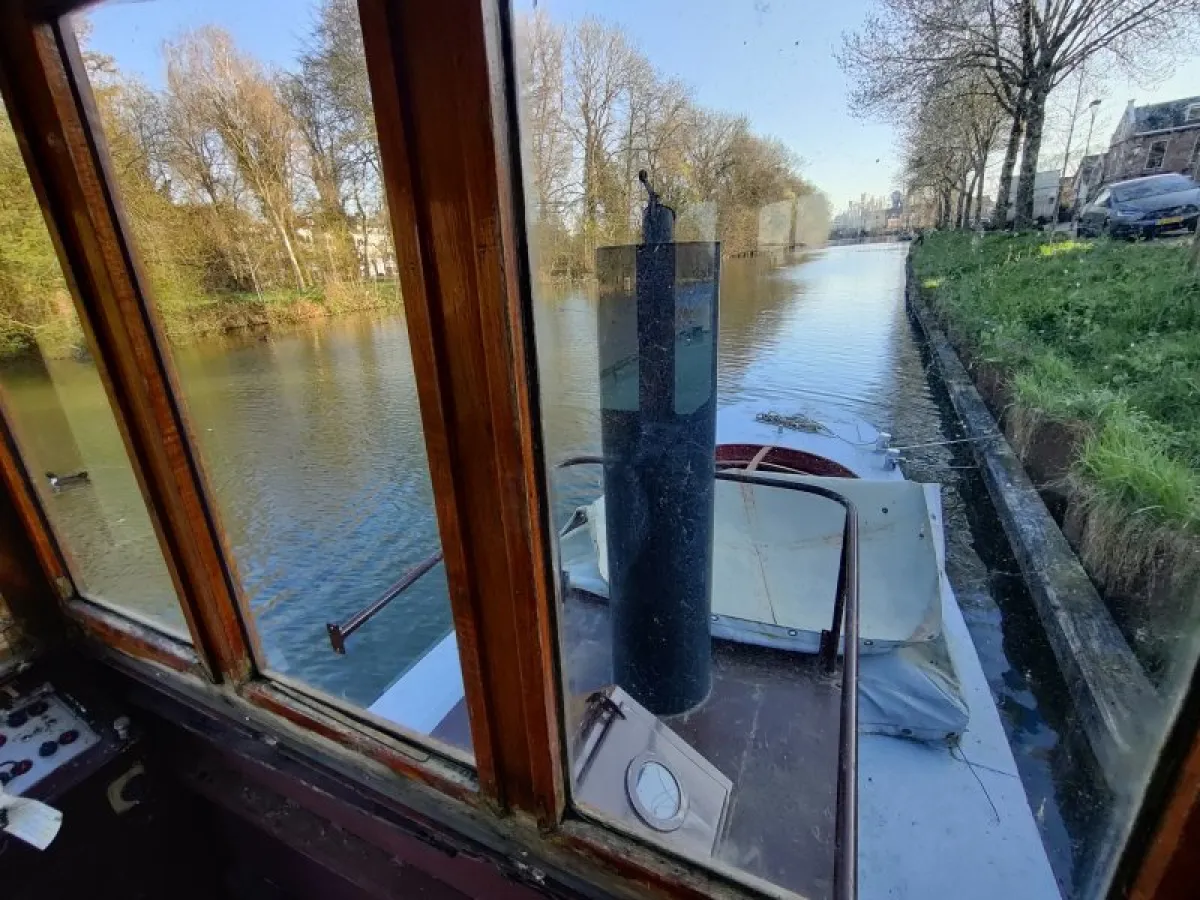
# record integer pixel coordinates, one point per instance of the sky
(769, 60)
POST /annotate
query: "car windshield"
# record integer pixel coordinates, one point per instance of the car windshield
(1167, 184)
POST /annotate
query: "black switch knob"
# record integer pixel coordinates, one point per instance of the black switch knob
(48, 748)
(5, 776)
(37, 708)
(16, 719)
(22, 766)
(3, 740)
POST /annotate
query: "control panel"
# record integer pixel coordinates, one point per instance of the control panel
(40, 732)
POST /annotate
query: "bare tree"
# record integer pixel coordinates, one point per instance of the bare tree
(709, 153)
(241, 103)
(543, 110)
(599, 59)
(937, 166)
(1061, 35)
(947, 145)
(659, 113)
(1022, 49)
(596, 111)
(909, 50)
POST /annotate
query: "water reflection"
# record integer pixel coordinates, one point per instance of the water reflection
(313, 441)
(829, 340)
(64, 426)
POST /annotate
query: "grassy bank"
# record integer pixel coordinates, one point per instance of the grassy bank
(1093, 350)
(212, 314)
(225, 313)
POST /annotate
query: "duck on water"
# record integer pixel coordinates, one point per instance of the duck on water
(71, 479)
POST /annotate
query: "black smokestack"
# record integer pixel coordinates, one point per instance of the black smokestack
(658, 377)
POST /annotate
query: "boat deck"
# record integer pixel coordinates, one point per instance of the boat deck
(770, 725)
(935, 819)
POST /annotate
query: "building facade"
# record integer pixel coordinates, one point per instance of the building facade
(869, 215)
(1154, 139)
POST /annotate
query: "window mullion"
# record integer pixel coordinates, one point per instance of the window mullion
(445, 165)
(53, 113)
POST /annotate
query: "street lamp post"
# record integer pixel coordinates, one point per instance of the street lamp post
(1087, 151)
(1066, 156)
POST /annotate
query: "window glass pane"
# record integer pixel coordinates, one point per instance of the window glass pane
(247, 159)
(65, 427)
(742, 305)
(1154, 159)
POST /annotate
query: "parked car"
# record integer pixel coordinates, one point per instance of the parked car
(1142, 207)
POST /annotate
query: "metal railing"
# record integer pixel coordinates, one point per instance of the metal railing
(843, 629)
(845, 619)
(339, 632)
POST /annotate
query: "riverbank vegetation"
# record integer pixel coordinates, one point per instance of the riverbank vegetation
(596, 111)
(36, 310)
(255, 194)
(1092, 352)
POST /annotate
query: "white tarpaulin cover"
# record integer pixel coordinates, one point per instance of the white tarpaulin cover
(775, 565)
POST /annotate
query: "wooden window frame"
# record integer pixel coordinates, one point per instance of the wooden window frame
(52, 116)
(476, 414)
(446, 120)
(445, 169)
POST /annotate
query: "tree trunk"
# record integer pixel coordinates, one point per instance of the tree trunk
(1004, 188)
(1029, 152)
(966, 217)
(979, 191)
(366, 239)
(250, 268)
(962, 196)
(291, 253)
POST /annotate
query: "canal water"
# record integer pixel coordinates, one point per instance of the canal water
(312, 444)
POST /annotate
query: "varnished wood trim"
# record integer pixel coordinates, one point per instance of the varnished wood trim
(311, 718)
(442, 131)
(1167, 865)
(534, 610)
(650, 872)
(120, 633)
(31, 567)
(51, 107)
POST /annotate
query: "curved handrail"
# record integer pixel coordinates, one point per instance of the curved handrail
(844, 625)
(845, 611)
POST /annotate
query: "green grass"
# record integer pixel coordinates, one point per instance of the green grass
(226, 312)
(191, 315)
(1129, 459)
(1099, 332)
